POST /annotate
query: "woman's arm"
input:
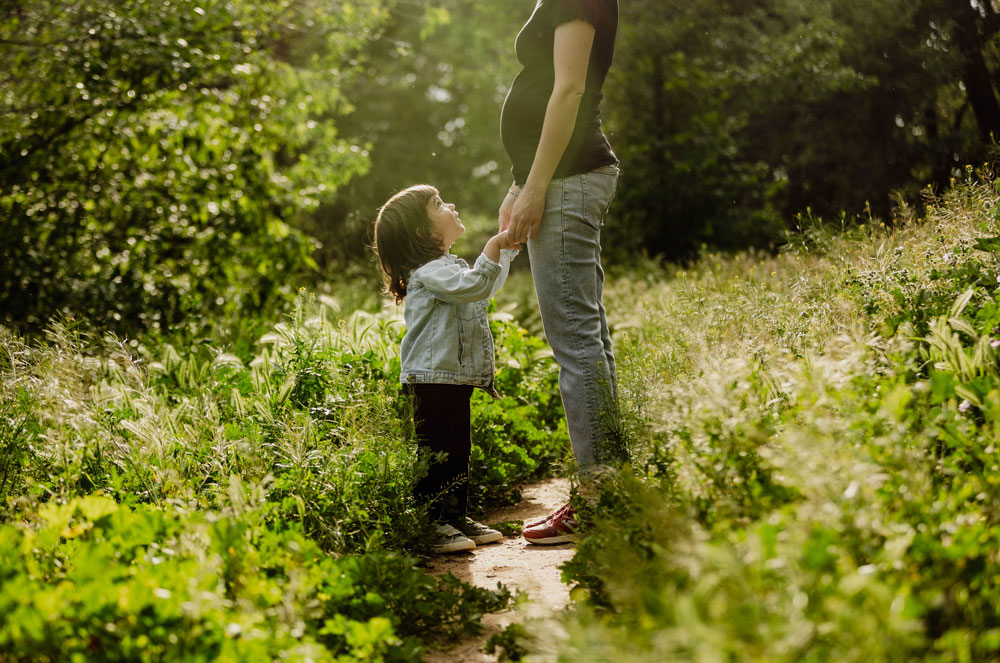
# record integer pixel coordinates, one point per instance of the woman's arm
(571, 58)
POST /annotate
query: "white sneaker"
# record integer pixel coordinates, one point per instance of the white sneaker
(447, 539)
(478, 532)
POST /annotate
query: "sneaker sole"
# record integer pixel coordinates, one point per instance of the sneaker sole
(551, 540)
(457, 546)
(487, 538)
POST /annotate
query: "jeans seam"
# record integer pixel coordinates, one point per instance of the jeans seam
(579, 341)
(587, 368)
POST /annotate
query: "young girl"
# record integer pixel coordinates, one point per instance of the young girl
(447, 350)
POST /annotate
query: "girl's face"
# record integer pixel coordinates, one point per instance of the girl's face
(444, 220)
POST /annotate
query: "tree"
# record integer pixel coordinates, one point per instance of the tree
(152, 154)
(671, 119)
(972, 27)
(731, 118)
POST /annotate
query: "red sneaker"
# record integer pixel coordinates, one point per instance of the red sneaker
(559, 528)
(544, 519)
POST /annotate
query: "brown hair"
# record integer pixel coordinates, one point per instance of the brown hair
(404, 237)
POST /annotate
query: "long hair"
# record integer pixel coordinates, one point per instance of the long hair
(404, 237)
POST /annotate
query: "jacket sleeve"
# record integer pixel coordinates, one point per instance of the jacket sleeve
(506, 257)
(458, 284)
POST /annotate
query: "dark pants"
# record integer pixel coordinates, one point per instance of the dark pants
(443, 421)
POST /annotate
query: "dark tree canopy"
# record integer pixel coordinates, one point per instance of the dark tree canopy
(734, 117)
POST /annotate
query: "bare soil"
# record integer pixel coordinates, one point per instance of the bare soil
(531, 570)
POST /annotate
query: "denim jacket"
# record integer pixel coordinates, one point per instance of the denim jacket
(448, 338)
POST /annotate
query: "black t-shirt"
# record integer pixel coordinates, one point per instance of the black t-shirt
(524, 109)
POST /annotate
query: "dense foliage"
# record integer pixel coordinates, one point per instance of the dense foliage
(152, 154)
(193, 157)
(180, 501)
(183, 476)
(730, 118)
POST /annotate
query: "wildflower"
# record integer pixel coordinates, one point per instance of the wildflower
(995, 342)
(964, 405)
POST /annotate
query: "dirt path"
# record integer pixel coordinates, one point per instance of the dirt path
(532, 570)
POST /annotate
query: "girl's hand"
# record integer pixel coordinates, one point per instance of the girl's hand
(501, 240)
(506, 241)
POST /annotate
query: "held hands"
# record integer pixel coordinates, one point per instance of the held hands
(506, 241)
(501, 240)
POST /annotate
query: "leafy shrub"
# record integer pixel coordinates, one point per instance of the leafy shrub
(159, 584)
(521, 435)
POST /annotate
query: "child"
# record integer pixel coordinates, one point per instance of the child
(447, 350)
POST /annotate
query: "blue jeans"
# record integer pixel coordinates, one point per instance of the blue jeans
(569, 283)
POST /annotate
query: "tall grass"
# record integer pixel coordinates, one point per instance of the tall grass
(815, 476)
(299, 442)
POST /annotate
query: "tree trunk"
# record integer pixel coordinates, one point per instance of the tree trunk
(982, 96)
(975, 74)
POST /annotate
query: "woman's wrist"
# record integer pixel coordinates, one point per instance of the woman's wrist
(533, 189)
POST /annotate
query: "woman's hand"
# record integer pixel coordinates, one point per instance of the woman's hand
(503, 216)
(526, 215)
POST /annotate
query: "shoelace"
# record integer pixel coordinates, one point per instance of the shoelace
(560, 512)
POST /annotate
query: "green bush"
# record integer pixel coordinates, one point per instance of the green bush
(522, 435)
(152, 584)
(154, 156)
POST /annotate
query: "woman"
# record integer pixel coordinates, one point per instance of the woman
(564, 179)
